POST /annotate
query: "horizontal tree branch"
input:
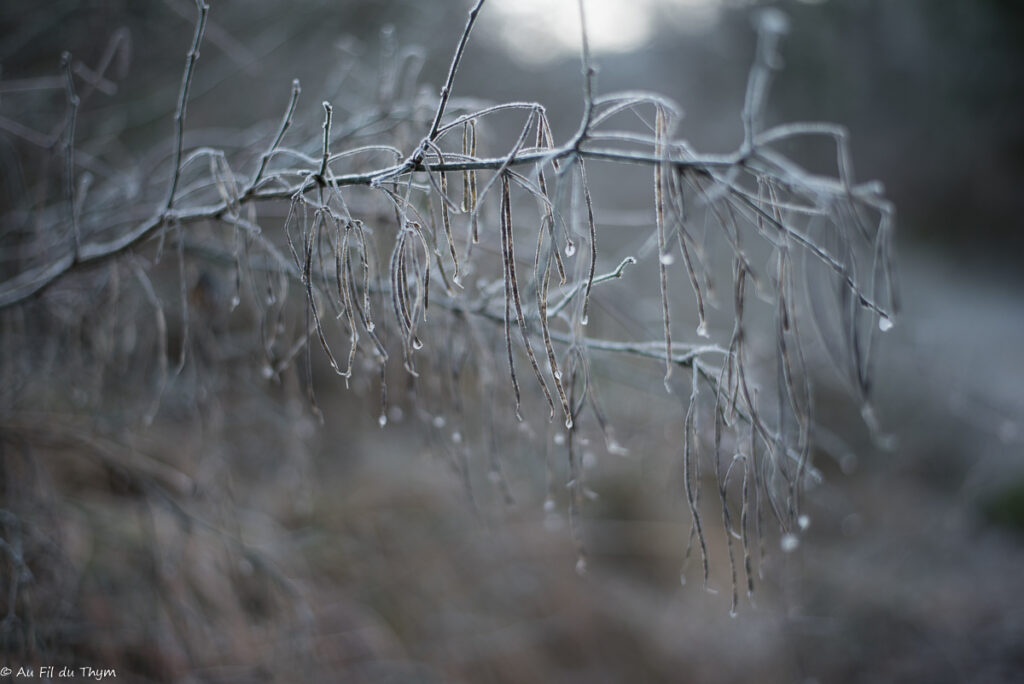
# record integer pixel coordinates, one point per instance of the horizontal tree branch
(35, 280)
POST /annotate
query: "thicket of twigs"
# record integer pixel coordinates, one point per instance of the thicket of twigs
(427, 258)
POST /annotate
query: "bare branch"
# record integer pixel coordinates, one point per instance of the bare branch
(186, 84)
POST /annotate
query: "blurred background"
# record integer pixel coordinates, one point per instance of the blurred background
(272, 547)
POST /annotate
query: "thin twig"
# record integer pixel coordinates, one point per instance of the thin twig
(286, 123)
(186, 84)
(446, 90)
(69, 150)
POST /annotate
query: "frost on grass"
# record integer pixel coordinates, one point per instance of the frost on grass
(464, 272)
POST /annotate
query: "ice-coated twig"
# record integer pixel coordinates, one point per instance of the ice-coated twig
(446, 89)
(69, 150)
(286, 123)
(186, 85)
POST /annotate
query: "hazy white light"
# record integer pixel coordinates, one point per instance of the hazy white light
(542, 30)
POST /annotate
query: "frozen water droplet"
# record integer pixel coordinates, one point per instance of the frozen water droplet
(789, 542)
(584, 319)
(667, 259)
(581, 567)
(570, 249)
(804, 522)
(590, 494)
(438, 421)
(568, 423)
(370, 326)
(559, 439)
(417, 345)
(457, 437)
(270, 300)
(617, 449)
(549, 505)
(382, 420)
(773, 21)
(682, 579)
(235, 301)
(733, 613)
(589, 459)
(267, 372)
(868, 415)
(885, 323)
(558, 375)
(702, 329)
